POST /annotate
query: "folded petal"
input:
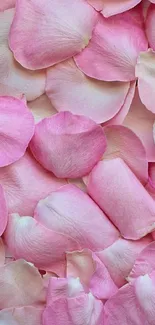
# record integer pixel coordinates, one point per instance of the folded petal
(13, 75)
(116, 56)
(145, 72)
(6, 4)
(68, 145)
(140, 121)
(69, 89)
(133, 303)
(119, 258)
(70, 211)
(118, 192)
(123, 143)
(41, 108)
(21, 315)
(65, 28)
(25, 183)
(3, 211)
(28, 239)
(113, 7)
(149, 24)
(69, 309)
(21, 284)
(92, 273)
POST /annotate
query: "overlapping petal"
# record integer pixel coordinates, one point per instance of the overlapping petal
(41, 108)
(20, 316)
(3, 211)
(111, 57)
(150, 27)
(62, 24)
(68, 145)
(113, 7)
(7, 4)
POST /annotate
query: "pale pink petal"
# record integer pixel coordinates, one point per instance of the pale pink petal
(3, 211)
(65, 28)
(25, 183)
(140, 121)
(123, 143)
(150, 27)
(27, 315)
(145, 72)
(112, 7)
(119, 258)
(21, 284)
(116, 56)
(17, 128)
(69, 89)
(71, 306)
(92, 273)
(41, 108)
(122, 197)
(133, 304)
(68, 145)
(28, 239)
(7, 4)
(2, 252)
(70, 211)
(13, 75)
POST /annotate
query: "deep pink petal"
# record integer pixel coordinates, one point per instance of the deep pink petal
(150, 27)
(65, 28)
(122, 197)
(116, 56)
(119, 258)
(21, 316)
(140, 121)
(70, 211)
(3, 211)
(68, 145)
(25, 183)
(123, 143)
(69, 89)
(7, 4)
(112, 7)
(41, 108)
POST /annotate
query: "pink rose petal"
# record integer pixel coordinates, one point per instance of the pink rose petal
(119, 258)
(3, 211)
(72, 212)
(65, 28)
(41, 108)
(123, 143)
(150, 27)
(21, 316)
(68, 145)
(118, 192)
(21, 284)
(69, 89)
(112, 7)
(116, 56)
(25, 183)
(17, 128)
(6, 4)
(140, 121)
(12, 75)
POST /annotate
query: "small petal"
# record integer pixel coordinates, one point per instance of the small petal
(68, 145)
(41, 108)
(21, 315)
(113, 7)
(116, 56)
(65, 28)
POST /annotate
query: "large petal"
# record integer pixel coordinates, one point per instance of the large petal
(123, 143)
(133, 304)
(21, 316)
(68, 145)
(41, 108)
(20, 284)
(119, 258)
(145, 72)
(6, 4)
(28, 239)
(111, 57)
(17, 128)
(69, 89)
(13, 75)
(140, 121)
(122, 197)
(65, 28)
(25, 183)
(3, 211)
(72, 212)
(112, 7)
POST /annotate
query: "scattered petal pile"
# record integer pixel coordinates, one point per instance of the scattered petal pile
(77, 162)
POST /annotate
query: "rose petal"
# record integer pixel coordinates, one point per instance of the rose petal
(21, 315)
(6, 4)
(113, 7)
(119, 258)
(69, 89)
(122, 197)
(12, 75)
(149, 23)
(70, 211)
(63, 25)
(116, 56)
(21, 284)
(68, 145)
(2, 253)
(41, 108)
(140, 121)
(3, 211)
